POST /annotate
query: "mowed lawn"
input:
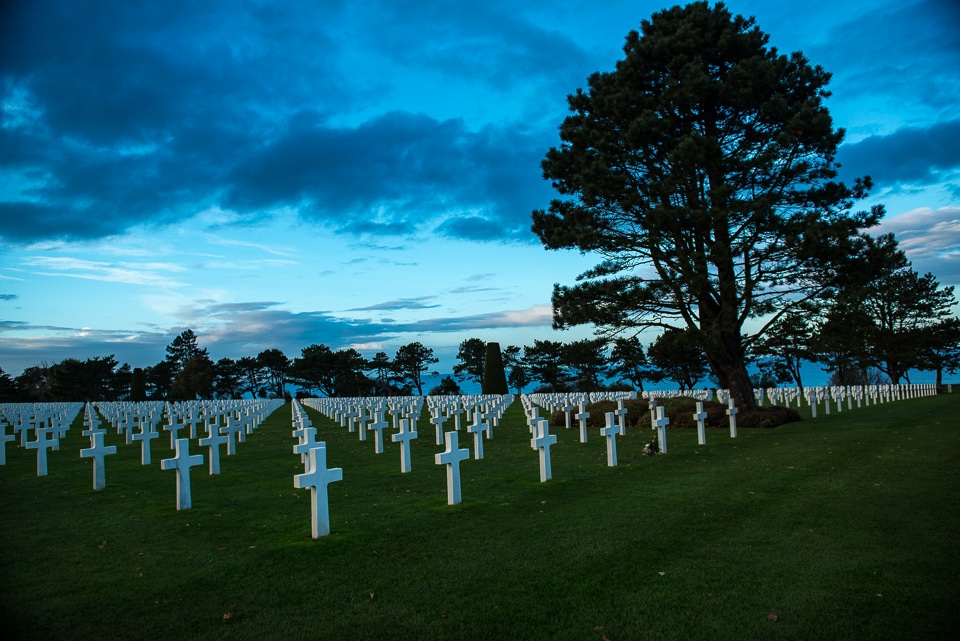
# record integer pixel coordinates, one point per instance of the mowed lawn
(841, 527)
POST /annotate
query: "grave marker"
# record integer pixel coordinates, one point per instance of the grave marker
(212, 441)
(182, 462)
(145, 435)
(451, 457)
(582, 417)
(4, 439)
(404, 436)
(661, 425)
(97, 451)
(610, 431)
(317, 478)
(732, 413)
(542, 442)
(477, 429)
(377, 428)
(41, 445)
(701, 417)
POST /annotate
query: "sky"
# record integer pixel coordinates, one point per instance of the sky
(362, 173)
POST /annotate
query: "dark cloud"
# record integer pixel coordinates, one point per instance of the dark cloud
(915, 156)
(123, 113)
(393, 172)
(902, 49)
(488, 41)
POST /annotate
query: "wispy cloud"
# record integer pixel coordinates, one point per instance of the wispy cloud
(150, 274)
(931, 239)
(418, 302)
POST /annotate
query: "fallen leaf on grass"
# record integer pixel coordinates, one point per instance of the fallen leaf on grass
(227, 617)
(772, 617)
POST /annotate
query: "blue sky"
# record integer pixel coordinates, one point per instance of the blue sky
(361, 174)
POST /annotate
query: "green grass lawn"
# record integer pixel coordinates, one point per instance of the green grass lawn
(840, 527)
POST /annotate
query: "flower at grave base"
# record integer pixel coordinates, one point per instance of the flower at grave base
(651, 448)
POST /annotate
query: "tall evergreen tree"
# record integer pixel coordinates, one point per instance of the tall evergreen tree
(702, 170)
(494, 375)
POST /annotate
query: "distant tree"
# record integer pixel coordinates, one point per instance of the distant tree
(494, 374)
(787, 346)
(33, 384)
(138, 385)
(904, 307)
(941, 352)
(588, 361)
(447, 387)
(842, 344)
(410, 363)
(545, 362)
(518, 375)
(68, 381)
(702, 172)
(183, 348)
(195, 380)
(470, 360)
(251, 376)
(678, 355)
(630, 361)
(120, 383)
(96, 379)
(8, 388)
(350, 379)
(886, 317)
(274, 364)
(159, 380)
(226, 382)
(340, 373)
(382, 369)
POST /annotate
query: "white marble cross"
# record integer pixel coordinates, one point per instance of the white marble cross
(307, 439)
(477, 429)
(404, 436)
(582, 417)
(610, 431)
(97, 451)
(212, 441)
(377, 427)
(661, 425)
(182, 462)
(316, 478)
(621, 413)
(732, 413)
(231, 429)
(437, 420)
(451, 457)
(4, 439)
(542, 442)
(41, 445)
(145, 435)
(174, 428)
(700, 417)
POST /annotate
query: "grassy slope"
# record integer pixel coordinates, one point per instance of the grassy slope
(842, 527)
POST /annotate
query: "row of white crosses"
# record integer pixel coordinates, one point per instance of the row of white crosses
(863, 395)
(614, 422)
(46, 422)
(485, 412)
(50, 422)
